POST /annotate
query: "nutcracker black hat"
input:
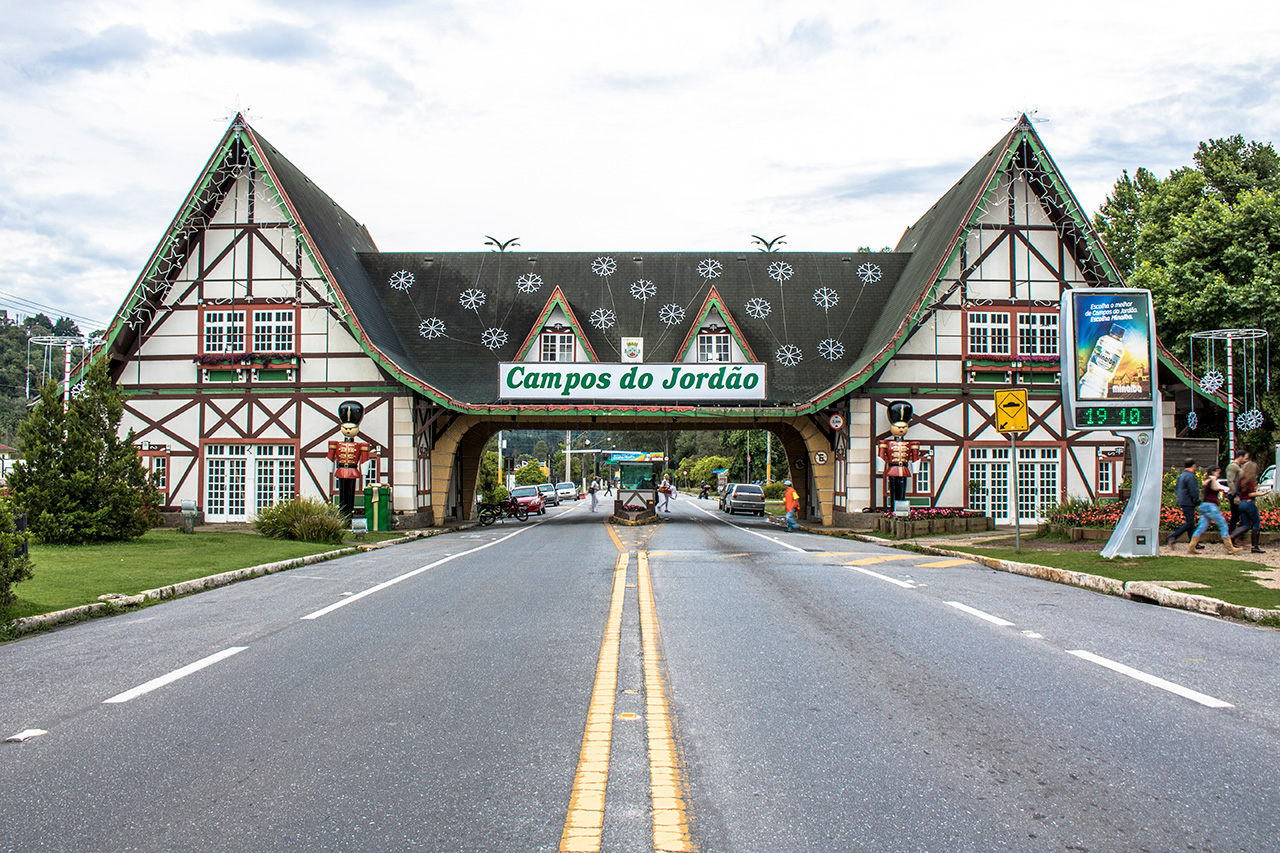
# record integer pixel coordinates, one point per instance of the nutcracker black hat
(899, 413)
(350, 412)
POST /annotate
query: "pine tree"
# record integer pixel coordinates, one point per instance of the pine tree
(78, 480)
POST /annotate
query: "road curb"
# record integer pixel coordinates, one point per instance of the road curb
(1144, 591)
(118, 603)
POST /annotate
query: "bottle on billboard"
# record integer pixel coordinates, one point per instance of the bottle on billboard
(1102, 365)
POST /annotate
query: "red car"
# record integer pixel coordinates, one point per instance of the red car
(530, 498)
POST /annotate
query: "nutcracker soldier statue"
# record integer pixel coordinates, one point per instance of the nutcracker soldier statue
(348, 455)
(898, 453)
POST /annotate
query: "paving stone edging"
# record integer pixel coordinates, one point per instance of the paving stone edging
(117, 603)
(1145, 591)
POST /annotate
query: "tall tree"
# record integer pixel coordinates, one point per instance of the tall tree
(1206, 242)
(78, 480)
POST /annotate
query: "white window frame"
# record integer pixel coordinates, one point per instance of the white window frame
(988, 333)
(242, 479)
(223, 331)
(715, 347)
(1037, 333)
(559, 346)
(273, 329)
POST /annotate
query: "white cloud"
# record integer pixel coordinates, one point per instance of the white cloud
(582, 125)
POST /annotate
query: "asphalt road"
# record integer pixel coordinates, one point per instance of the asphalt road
(705, 684)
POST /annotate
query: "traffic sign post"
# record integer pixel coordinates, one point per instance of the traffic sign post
(1011, 419)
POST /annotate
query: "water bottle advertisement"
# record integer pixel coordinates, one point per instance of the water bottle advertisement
(1112, 338)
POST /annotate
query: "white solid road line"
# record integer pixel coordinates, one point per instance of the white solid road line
(404, 577)
(1154, 681)
(763, 536)
(156, 683)
(972, 611)
(903, 584)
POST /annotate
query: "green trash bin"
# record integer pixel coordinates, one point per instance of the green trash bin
(377, 506)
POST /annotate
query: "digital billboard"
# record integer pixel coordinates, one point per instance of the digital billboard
(1108, 358)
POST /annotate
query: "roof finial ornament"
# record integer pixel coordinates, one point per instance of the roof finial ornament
(1024, 117)
(240, 117)
(501, 245)
(768, 245)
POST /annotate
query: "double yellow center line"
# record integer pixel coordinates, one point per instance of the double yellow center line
(584, 824)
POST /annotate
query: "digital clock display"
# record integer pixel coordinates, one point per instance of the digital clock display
(1114, 417)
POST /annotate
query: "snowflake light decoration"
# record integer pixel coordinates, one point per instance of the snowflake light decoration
(1211, 381)
(826, 298)
(1193, 420)
(671, 314)
(604, 266)
(431, 328)
(402, 280)
(758, 308)
(644, 289)
(1251, 419)
(788, 355)
(869, 272)
(529, 282)
(710, 268)
(493, 338)
(472, 298)
(603, 318)
(831, 349)
(780, 271)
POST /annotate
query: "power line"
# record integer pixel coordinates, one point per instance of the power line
(24, 305)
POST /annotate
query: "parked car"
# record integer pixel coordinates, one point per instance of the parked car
(745, 497)
(549, 495)
(530, 498)
(1267, 482)
(725, 492)
(567, 491)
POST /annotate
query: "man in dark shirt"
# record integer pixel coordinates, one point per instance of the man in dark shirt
(1188, 495)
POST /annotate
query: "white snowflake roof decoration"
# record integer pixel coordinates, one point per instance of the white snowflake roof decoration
(1251, 419)
(869, 272)
(831, 349)
(472, 298)
(671, 314)
(1211, 381)
(826, 298)
(780, 271)
(494, 338)
(432, 327)
(402, 280)
(604, 266)
(758, 308)
(1193, 420)
(644, 289)
(530, 282)
(603, 318)
(789, 355)
(710, 268)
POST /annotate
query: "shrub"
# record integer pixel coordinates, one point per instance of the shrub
(302, 519)
(15, 565)
(773, 492)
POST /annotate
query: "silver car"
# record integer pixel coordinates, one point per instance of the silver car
(567, 491)
(549, 495)
(745, 497)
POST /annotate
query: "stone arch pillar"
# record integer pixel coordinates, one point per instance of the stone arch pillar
(816, 483)
(455, 467)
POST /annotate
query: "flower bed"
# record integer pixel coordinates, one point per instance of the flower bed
(1079, 514)
(923, 522)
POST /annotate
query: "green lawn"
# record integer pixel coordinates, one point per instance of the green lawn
(1224, 578)
(71, 575)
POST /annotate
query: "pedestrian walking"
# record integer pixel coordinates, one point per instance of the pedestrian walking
(593, 489)
(1187, 492)
(1248, 508)
(791, 502)
(1233, 486)
(665, 489)
(608, 486)
(1210, 493)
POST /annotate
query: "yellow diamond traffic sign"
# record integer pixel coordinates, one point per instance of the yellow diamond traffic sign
(1011, 411)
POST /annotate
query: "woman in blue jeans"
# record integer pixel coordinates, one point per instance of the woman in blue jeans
(1247, 492)
(1210, 493)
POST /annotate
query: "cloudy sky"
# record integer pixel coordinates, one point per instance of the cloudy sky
(588, 126)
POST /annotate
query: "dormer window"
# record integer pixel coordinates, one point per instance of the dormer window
(557, 343)
(713, 343)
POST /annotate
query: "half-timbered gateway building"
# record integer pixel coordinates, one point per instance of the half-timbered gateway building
(266, 305)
